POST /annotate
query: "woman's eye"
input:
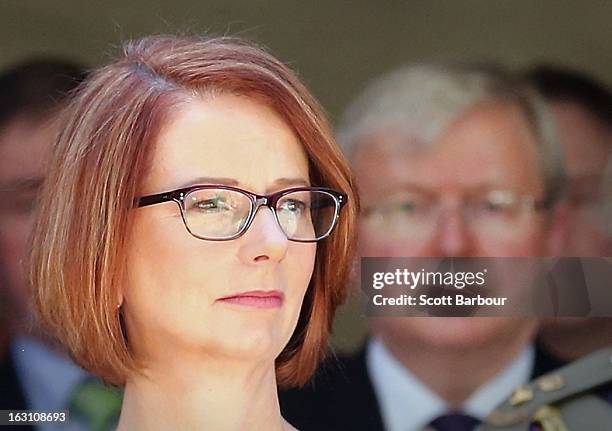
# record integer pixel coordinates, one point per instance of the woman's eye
(293, 206)
(212, 205)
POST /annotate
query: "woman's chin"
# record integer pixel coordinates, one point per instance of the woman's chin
(252, 344)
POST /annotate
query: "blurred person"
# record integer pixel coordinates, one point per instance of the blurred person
(449, 161)
(4, 333)
(582, 109)
(3, 339)
(194, 233)
(606, 193)
(6, 373)
(578, 395)
(4, 313)
(30, 94)
(35, 374)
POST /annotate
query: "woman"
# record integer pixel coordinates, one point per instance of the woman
(193, 239)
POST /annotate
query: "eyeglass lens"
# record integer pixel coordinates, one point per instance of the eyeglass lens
(416, 214)
(222, 213)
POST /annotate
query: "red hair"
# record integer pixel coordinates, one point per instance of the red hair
(101, 155)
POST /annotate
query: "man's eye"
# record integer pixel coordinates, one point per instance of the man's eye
(19, 205)
(407, 206)
(491, 206)
(498, 202)
(497, 206)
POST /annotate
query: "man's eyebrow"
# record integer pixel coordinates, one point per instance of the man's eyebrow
(21, 184)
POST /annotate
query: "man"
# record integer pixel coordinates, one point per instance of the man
(439, 153)
(10, 395)
(579, 395)
(34, 375)
(4, 311)
(582, 109)
(606, 208)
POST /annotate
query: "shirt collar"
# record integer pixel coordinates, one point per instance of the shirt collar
(407, 404)
(491, 394)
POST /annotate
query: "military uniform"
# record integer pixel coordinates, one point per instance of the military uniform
(576, 397)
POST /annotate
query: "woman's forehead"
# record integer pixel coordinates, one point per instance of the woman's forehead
(226, 136)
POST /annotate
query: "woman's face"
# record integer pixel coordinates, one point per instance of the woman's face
(174, 290)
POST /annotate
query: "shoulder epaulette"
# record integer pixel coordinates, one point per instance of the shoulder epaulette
(536, 401)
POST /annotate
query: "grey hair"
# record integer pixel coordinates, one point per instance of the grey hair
(422, 100)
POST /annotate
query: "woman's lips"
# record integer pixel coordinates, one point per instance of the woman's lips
(256, 299)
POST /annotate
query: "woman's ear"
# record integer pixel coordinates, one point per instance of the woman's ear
(119, 298)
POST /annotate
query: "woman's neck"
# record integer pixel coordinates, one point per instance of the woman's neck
(213, 395)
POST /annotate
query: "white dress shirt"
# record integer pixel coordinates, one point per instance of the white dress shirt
(407, 404)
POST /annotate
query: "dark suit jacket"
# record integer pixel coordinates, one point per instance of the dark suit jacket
(11, 394)
(341, 396)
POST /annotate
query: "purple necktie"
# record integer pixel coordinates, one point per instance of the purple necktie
(454, 422)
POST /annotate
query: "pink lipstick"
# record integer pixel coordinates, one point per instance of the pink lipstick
(255, 299)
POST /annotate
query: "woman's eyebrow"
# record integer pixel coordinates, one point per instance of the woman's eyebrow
(278, 183)
(211, 180)
(291, 182)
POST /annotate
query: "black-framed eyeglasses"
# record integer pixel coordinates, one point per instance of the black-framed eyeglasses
(222, 213)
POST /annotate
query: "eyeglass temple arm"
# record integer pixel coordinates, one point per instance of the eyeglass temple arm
(154, 199)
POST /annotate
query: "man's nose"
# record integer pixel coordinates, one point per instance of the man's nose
(453, 236)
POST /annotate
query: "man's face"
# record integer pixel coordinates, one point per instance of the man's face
(24, 144)
(586, 143)
(487, 151)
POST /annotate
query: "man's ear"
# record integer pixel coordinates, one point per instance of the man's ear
(558, 230)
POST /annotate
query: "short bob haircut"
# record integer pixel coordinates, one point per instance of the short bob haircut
(102, 152)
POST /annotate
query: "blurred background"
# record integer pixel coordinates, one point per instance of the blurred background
(336, 46)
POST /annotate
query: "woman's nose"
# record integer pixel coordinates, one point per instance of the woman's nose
(264, 240)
